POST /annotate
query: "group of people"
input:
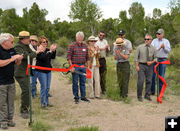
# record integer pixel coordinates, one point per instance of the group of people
(38, 52)
(91, 55)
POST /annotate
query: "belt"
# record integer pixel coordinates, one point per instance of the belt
(162, 58)
(78, 63)
(143, 63)
(123, 62)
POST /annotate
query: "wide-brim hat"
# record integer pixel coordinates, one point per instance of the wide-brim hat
(33, 37)
(24, 34)
(92, 38)
(119, 41)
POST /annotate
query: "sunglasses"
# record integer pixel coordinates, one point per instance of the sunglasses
(147, 39)
(101, 35)
(158, 34)
(33, 40)
(45, 42)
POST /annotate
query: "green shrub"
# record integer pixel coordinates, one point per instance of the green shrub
(40, 126)
(84, 128)
(63, 42)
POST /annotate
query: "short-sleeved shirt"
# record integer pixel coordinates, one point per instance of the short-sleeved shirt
(7, 72)
(78, 53)
(102, 44)
(162, 53)
(128, 44)
(124, 51)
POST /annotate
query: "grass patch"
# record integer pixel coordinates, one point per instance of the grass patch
(40, 126)
(84, 128)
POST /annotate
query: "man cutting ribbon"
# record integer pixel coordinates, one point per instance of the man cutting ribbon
(78, 54)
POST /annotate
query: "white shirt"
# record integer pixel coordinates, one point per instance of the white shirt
(102, 44)
(162, 53)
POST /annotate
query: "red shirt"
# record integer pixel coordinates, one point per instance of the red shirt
(78, 53)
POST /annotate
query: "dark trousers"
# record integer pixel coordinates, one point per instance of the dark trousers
(23, 82)
(102, 72)
(123, 74)
(147, 72)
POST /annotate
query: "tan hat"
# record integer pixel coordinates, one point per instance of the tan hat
(92, 38)
(34, 37)
(160, 31)
(24, 34)
(119, 41)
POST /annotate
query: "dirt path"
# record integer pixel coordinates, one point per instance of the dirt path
(105, 114)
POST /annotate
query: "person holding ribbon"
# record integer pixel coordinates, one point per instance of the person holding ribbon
(121, 55)
(78, 55)
(163, 48)
(145, 56)
(44, 76)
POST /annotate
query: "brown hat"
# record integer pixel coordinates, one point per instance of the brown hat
(34, 37)
(119, 41)
(24, 34)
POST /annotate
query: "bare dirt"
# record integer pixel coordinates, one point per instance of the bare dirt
(104, 113)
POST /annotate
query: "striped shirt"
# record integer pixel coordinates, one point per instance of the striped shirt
(78, 53)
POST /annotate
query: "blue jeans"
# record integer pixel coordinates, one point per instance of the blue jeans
(34, 82)
(82, 81)
(45, 81)
(162, 69)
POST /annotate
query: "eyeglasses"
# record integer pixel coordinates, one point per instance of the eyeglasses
(92, 41)
(158, 34)
(147, 39)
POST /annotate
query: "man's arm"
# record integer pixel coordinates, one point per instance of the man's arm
(8, 61)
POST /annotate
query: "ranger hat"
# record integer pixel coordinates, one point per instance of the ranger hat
(119, 41)
(24, 34)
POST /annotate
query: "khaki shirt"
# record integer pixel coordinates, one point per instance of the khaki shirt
(141, 52)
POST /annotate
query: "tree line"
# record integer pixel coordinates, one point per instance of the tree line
(87, 17)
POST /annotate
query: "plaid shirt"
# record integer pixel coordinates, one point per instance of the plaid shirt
(78, 53)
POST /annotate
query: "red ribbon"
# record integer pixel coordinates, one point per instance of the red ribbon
(162, 79)
(88, 72)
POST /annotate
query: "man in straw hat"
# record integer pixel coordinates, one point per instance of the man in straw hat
(22, 47)
(144, 58)
(121, 55)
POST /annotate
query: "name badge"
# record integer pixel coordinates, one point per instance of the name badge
(83, 49)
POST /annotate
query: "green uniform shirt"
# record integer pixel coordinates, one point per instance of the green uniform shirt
(20, 48)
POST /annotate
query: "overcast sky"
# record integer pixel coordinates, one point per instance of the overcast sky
(60, 8)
